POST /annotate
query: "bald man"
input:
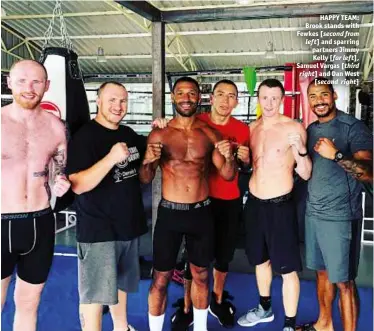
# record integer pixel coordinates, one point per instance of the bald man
(31, 138)
(104, 159)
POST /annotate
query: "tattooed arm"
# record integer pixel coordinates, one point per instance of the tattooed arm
(360, 166)
(60, 183)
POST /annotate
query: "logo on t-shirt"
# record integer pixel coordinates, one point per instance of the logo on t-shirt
(120, 172)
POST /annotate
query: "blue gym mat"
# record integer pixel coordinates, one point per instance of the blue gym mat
(58, 310)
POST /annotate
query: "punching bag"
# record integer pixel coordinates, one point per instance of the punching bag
(66, 98)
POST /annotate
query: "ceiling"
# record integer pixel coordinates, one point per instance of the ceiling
(126, 37)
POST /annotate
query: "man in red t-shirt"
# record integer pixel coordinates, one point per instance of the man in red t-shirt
(226, 207)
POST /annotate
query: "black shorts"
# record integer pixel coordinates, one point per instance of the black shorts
(272, 233)
(27, 241)
(174, 220)
(226, 215)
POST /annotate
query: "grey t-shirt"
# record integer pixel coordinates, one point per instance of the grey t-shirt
(333, 194)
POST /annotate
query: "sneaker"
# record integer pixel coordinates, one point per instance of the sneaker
(179, 320)
(130, 328)
(224, 312)
(255, 316)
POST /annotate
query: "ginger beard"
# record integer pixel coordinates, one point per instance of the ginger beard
(27, 100)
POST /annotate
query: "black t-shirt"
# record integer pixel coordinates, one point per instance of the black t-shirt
(114, 209)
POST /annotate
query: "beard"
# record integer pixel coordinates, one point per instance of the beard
(186, 113)
(325, 113)
(25, 103)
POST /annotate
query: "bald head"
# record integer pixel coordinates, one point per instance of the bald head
(28, 64)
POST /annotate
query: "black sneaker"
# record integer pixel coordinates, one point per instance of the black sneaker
(224, 312)
(179, 320)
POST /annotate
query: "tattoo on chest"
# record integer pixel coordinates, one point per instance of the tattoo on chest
(43, 173)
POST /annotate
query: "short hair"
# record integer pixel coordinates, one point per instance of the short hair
(228, 82)
(186, 79)
(103, 85)
(30, 60)
(321, 81)
(271, 82)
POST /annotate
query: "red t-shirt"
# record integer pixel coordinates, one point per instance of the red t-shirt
(237, 132)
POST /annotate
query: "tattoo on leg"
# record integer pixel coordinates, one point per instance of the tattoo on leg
(81, 318)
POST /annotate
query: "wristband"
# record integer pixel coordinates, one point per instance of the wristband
(303, 154)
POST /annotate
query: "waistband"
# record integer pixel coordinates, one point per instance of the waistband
(29, 215)
(279, 199)
(184, 206)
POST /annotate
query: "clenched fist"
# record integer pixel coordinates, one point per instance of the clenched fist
(326, 148)
(152, 153)
(243, 153)
(295, 140)
(61, 185)
(224, 147)
(119, 153)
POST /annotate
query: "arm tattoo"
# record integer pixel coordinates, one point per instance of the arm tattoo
(361, 170)
(60, 163)
(48, 189)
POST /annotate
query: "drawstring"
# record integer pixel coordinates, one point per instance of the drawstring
(10, 238)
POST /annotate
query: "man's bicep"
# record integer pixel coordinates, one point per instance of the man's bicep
(155, 137)
(360, 138)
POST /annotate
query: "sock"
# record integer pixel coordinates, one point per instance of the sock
(290, 321)
(265, 302)
(200, 319)
(156, 322)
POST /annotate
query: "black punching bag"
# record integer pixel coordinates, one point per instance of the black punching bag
(66, 98)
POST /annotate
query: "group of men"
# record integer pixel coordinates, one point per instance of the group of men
(199, 157)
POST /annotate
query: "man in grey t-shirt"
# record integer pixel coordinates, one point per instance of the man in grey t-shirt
(341, 150)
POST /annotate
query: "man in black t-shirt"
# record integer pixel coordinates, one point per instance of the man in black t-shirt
(103, 163)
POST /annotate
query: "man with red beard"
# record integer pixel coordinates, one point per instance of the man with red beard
(341, 148)
(185, 151)
(31, 138)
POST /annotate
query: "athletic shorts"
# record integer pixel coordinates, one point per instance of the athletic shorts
(226, 214)
(272, 233)
(193, 221)
(27, 241)
(106, 267)
(333, 246)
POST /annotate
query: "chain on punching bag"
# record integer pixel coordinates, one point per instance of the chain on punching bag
(66, 97)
